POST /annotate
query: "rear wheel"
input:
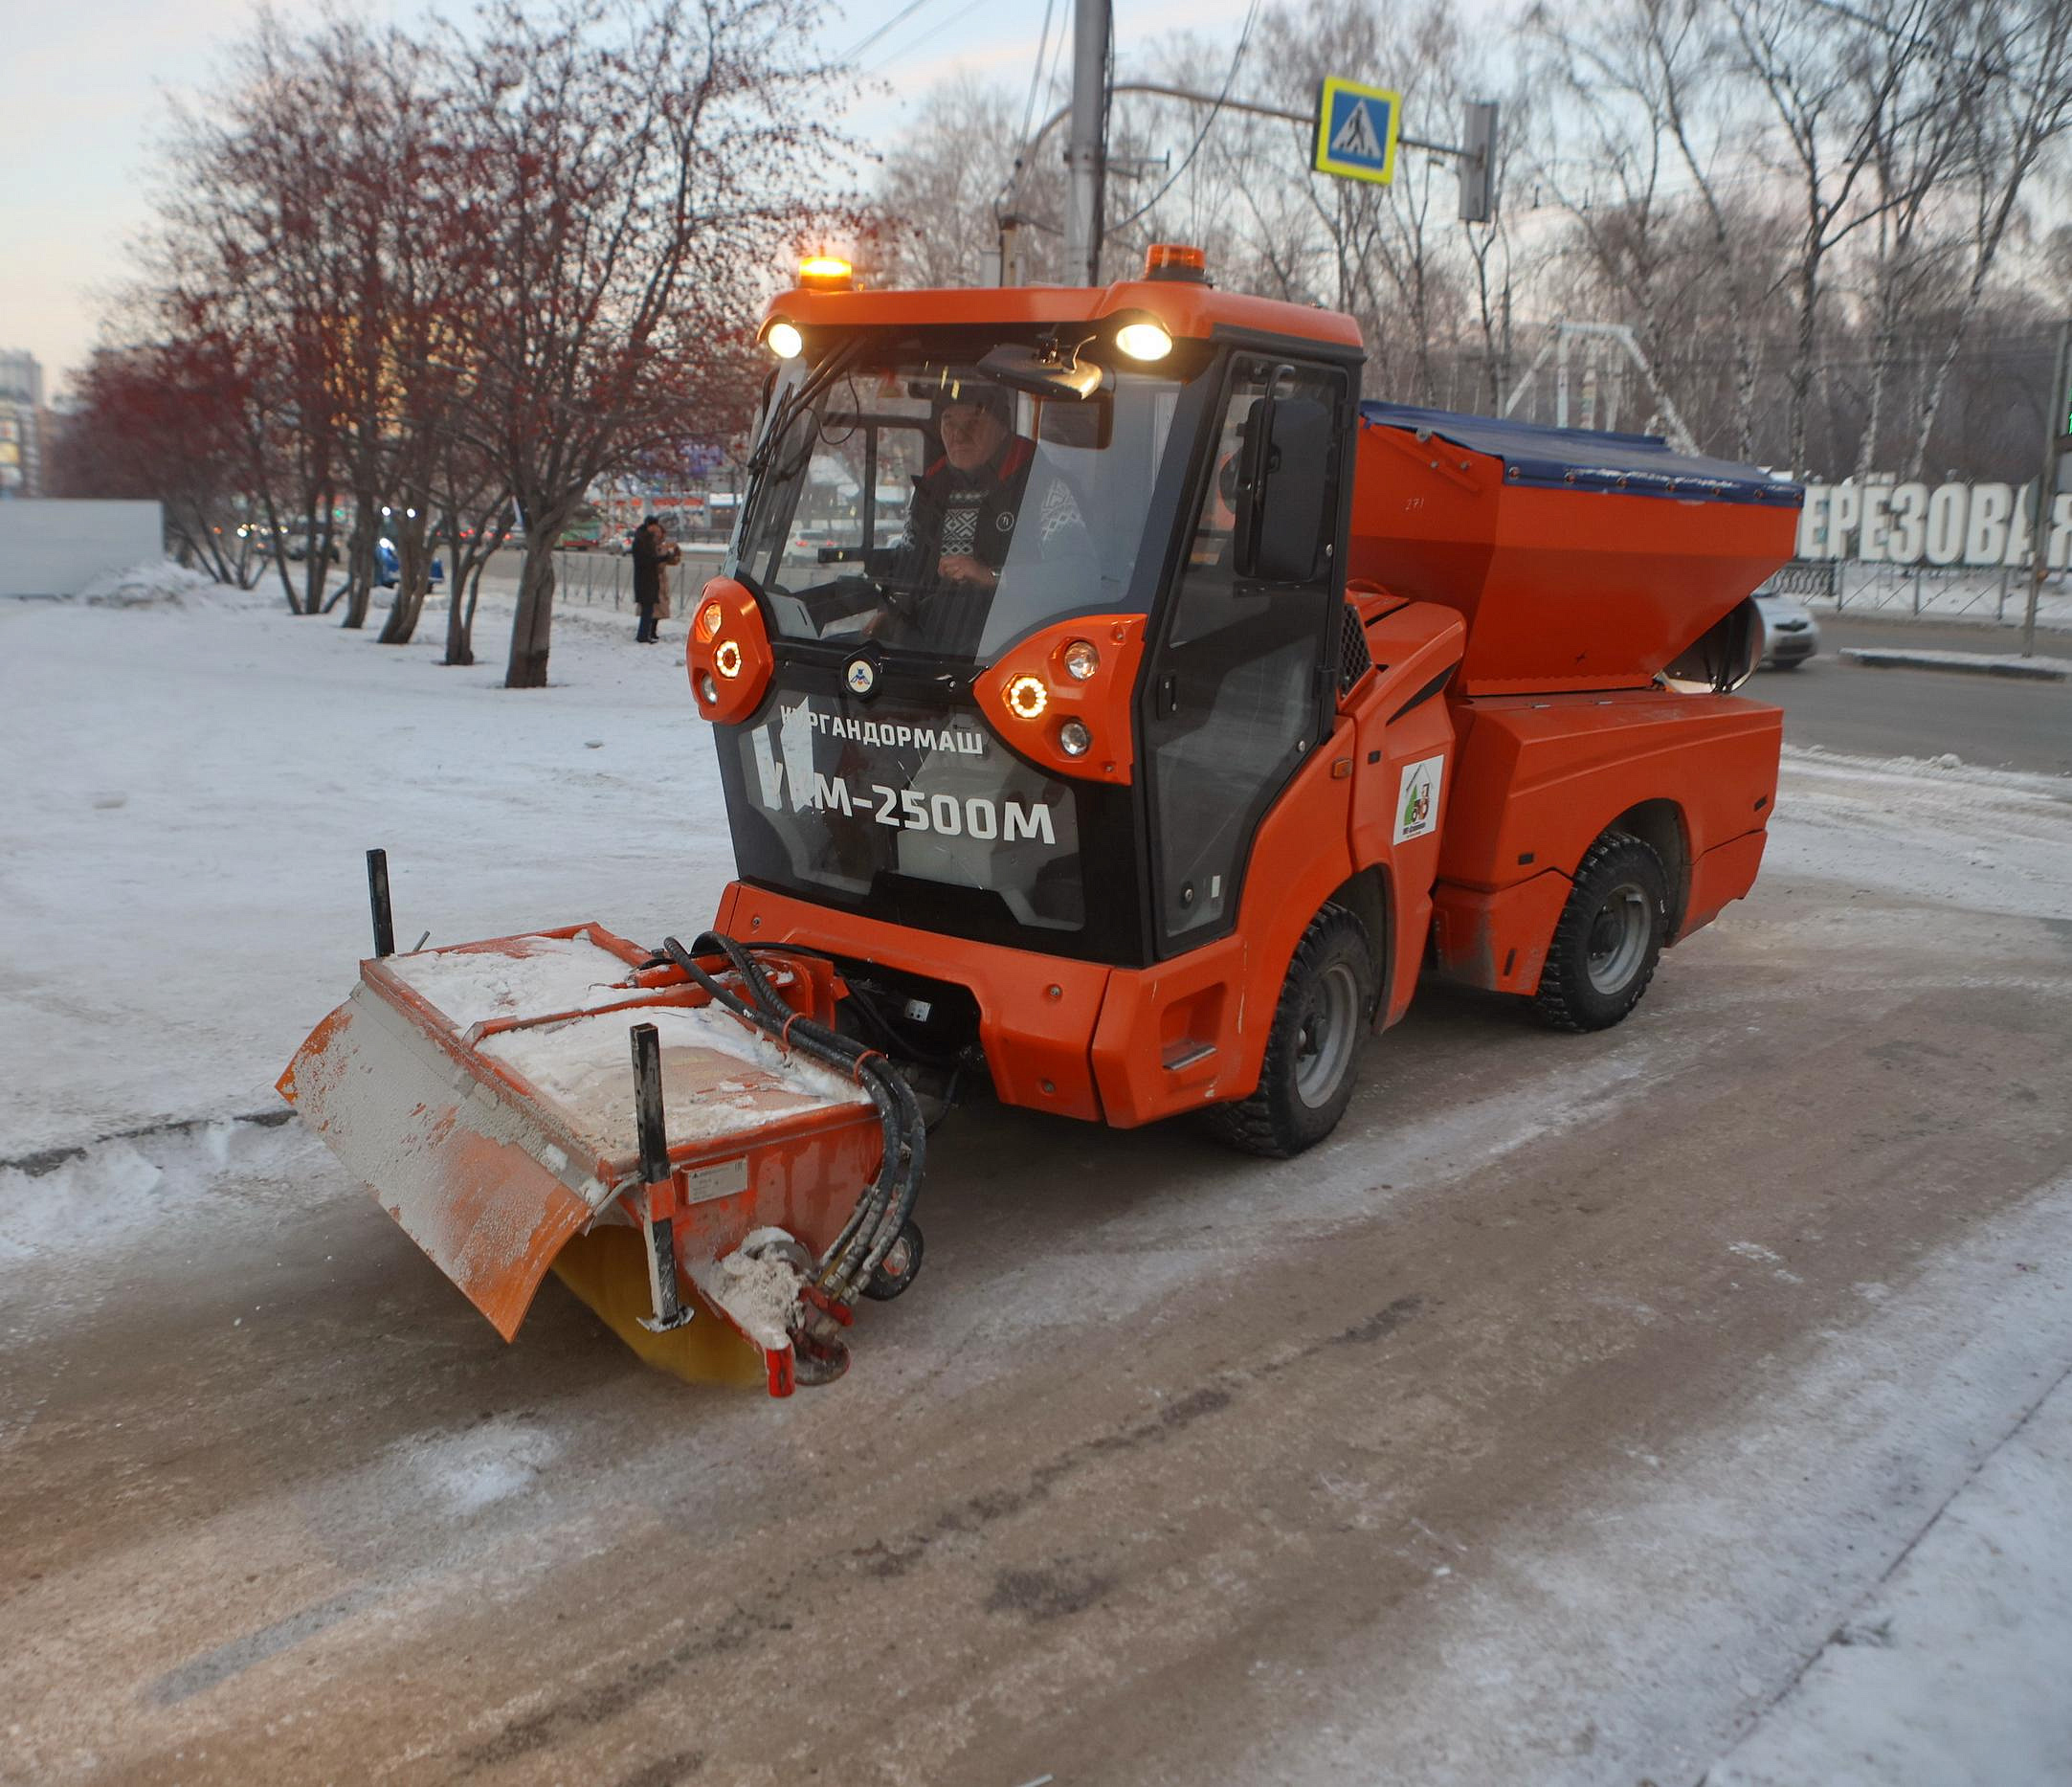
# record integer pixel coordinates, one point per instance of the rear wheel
(1608, 938)
(1306, 1082)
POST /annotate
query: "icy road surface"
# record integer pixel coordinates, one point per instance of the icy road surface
(1548, 1424)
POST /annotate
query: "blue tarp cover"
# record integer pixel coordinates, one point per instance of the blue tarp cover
(1586, 459)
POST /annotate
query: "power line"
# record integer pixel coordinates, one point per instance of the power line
(900, 17)
(1036, 74)
(1202, 135)
(934, 31)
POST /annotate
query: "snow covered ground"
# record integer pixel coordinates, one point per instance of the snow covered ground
(182, 854)
(194, 776)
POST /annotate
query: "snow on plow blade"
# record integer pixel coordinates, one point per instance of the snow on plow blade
(485, 1093)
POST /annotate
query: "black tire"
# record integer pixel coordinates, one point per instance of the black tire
(1306, 1082)
(898, 1269)
(1608, 938)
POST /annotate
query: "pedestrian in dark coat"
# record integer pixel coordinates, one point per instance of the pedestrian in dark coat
(647, 577)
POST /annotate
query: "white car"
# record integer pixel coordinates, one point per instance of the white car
(1790, 632)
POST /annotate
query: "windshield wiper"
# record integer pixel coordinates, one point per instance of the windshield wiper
(818, 380)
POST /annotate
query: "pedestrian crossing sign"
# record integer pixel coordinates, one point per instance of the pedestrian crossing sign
(1356, 130)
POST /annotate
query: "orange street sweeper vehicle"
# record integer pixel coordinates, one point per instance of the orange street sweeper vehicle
(1114, 710)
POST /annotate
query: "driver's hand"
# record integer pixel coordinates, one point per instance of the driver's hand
(963, 568)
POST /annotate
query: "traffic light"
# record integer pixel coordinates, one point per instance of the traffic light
(1479, 164)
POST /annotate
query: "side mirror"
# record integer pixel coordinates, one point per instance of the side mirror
(1282, 478)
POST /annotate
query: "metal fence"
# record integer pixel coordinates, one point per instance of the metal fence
(606, 579)
(1924, 592)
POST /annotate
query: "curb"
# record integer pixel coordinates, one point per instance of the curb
(1879, 658)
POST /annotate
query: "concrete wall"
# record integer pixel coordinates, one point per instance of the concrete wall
(54, 546)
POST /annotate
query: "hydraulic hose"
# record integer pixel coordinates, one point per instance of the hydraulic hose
(887, 1203)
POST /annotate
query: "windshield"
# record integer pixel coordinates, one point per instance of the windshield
(910, 500)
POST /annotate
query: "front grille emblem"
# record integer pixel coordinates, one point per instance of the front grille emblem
(861, 675)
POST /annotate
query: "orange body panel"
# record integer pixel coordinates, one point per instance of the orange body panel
(1411, 644)
(1186, 309)
(1499, 939)
(1723, 874)
(1562, 588)
(1298, 859)
(1538, 779)
(1035, 1039)
(735, 654)
(1102, 701)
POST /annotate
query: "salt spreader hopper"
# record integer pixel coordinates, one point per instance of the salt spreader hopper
(1113, 713)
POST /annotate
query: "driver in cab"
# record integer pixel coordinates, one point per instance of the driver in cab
(989, 485)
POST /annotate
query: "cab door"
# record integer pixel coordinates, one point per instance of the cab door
(1235, 698)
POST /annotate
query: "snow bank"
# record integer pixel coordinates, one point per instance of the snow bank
(160, 583)
(1938, 830)
(116, 1190)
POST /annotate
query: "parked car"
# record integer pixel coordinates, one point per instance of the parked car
(1790, 632)
(388, 566)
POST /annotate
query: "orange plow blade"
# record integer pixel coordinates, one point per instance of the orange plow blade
(486, 1095)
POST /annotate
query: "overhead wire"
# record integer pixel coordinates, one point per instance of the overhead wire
(933, 30)
(1036, 76)
(1201, 136)
(1041, 81)
(899, 18)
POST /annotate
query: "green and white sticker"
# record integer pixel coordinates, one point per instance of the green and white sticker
(1417, 800)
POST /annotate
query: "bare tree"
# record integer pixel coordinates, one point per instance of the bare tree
(1838, 81)
(2015, 74)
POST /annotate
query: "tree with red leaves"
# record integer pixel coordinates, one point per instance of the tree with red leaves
(634, 180)
(167, 422)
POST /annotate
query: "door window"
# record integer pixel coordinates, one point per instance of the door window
(1235, 694)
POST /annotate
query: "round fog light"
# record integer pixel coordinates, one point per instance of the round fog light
(708, 691)
(1074, 739)
(1081, 660)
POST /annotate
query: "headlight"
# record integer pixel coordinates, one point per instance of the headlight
(1074, 739)
(1144, 341)
(784, 340)
(1081, 660)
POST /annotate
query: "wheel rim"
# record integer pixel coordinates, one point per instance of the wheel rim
(1618, 937)
(1324, 1045)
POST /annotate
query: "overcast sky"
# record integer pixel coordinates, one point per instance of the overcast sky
(83, 95)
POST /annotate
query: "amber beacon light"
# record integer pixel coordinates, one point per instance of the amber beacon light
(1175, 260)
(826, 273)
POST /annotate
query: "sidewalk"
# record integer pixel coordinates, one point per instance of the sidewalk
(1977, 664)
(1952, 1672)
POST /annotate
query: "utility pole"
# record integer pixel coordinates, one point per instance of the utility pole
(2056, 436)
(1086, 154)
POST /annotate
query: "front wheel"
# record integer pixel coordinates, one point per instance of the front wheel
(1609, 937)
(1306, 1082)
